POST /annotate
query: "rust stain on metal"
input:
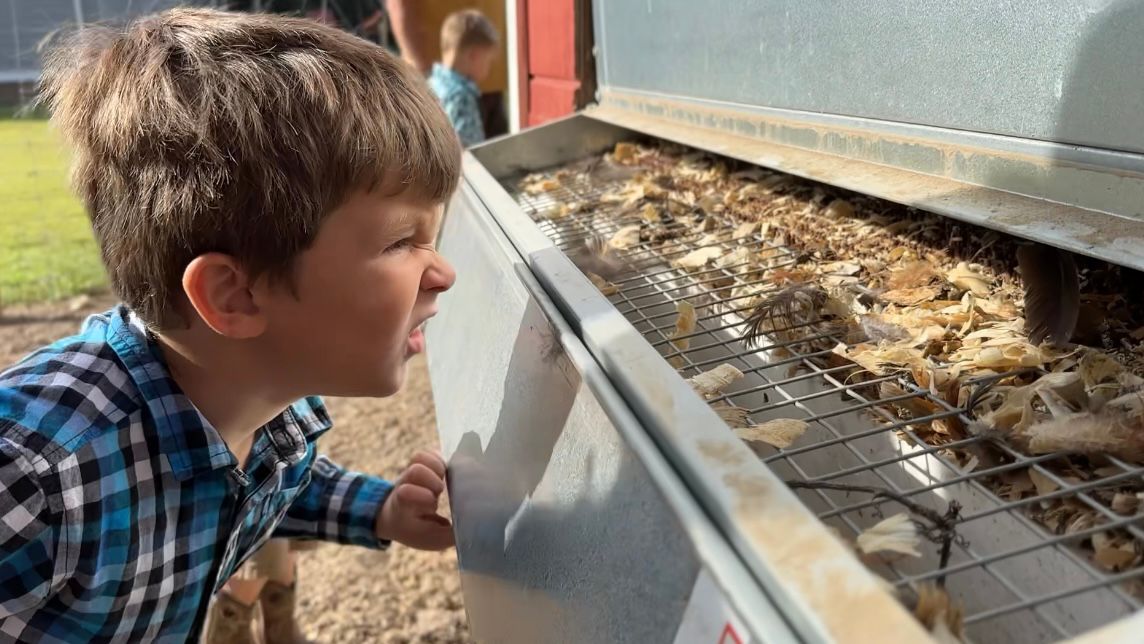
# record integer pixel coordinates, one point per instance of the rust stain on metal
(838, 590)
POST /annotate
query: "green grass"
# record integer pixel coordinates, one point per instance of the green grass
(46, 247)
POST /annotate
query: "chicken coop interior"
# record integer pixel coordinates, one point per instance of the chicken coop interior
(876, 303)
(873, 356)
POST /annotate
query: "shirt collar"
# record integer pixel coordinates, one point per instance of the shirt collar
(453, 76)
(191, 444)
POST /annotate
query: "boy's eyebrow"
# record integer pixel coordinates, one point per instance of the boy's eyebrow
(406, 218)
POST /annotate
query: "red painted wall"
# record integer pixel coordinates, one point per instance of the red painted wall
(547, 42)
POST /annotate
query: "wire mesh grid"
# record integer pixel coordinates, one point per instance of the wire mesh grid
(1017, 580)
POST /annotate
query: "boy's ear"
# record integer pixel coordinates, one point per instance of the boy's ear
(219, 290)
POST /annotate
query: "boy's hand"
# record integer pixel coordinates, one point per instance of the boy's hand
(409, 514)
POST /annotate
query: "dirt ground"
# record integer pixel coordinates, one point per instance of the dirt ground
(346, 594)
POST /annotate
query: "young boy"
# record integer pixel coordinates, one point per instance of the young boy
(266, 194)
(468, 48)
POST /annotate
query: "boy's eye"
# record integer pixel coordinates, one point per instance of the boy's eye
(398, 245)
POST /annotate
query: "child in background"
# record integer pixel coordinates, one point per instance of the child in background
(468, 47)
(268, 582)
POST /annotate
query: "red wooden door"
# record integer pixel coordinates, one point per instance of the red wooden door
(555, 69)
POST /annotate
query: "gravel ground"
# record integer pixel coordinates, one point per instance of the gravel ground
(346, 594)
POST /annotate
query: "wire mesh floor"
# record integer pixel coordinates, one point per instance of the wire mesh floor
(1018, 581)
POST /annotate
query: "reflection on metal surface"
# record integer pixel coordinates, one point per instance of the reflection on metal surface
(563, 530)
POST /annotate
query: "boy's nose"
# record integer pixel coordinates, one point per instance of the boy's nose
(440, 275)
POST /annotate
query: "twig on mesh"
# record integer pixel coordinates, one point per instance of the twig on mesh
(936, 527)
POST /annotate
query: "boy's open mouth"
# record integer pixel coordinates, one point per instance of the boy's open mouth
(416, 341)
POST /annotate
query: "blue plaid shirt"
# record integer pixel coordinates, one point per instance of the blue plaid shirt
(458, 95)
(121, 509)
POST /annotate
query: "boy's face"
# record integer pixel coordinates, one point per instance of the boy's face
(363, 291)
(481, 62)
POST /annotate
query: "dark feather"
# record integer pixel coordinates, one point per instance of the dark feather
(598, 257)
(786, 310)
(1052, 293)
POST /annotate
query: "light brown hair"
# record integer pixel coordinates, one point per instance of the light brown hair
(468, 28)
(198, 131)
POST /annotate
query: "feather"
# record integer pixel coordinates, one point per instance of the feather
(785, 310)
(1052, 293)
(599, 258)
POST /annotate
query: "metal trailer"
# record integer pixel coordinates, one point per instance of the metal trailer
(598, 498)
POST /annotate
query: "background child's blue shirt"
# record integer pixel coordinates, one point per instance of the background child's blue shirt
(459, 96)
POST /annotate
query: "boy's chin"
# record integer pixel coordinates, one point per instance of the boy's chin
(380, 385)
(390, 383)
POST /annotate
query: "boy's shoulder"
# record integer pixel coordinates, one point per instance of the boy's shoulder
(449, 84)
(62, 395)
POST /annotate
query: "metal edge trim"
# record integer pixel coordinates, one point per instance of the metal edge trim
(1117, 160)
(951, 180)
(714, 554)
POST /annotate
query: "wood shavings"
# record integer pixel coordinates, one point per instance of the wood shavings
(970, 464)
(714, 381)
(1114, 553)
(1043, 484)
(780, 433)
(624, 152)
(998, 346)
(1126, 503)
(539, 185)
(735, 417)
(626, 237)
(685, 323)
(916, 405)
(844, 269)
(943, 617)
(910, 296)
(968, 279)
(698, 258)
(883, 358)
(604, 286)
(897, 534)
(650, 214)
(746, 230)
(878, 330)
(557, 212)
(1015, 484)
(1014, 405)
(912, 275)
(738, 261)
(839, 209)
(1102, 377)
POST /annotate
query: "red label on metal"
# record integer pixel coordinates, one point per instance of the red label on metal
(729, 635)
